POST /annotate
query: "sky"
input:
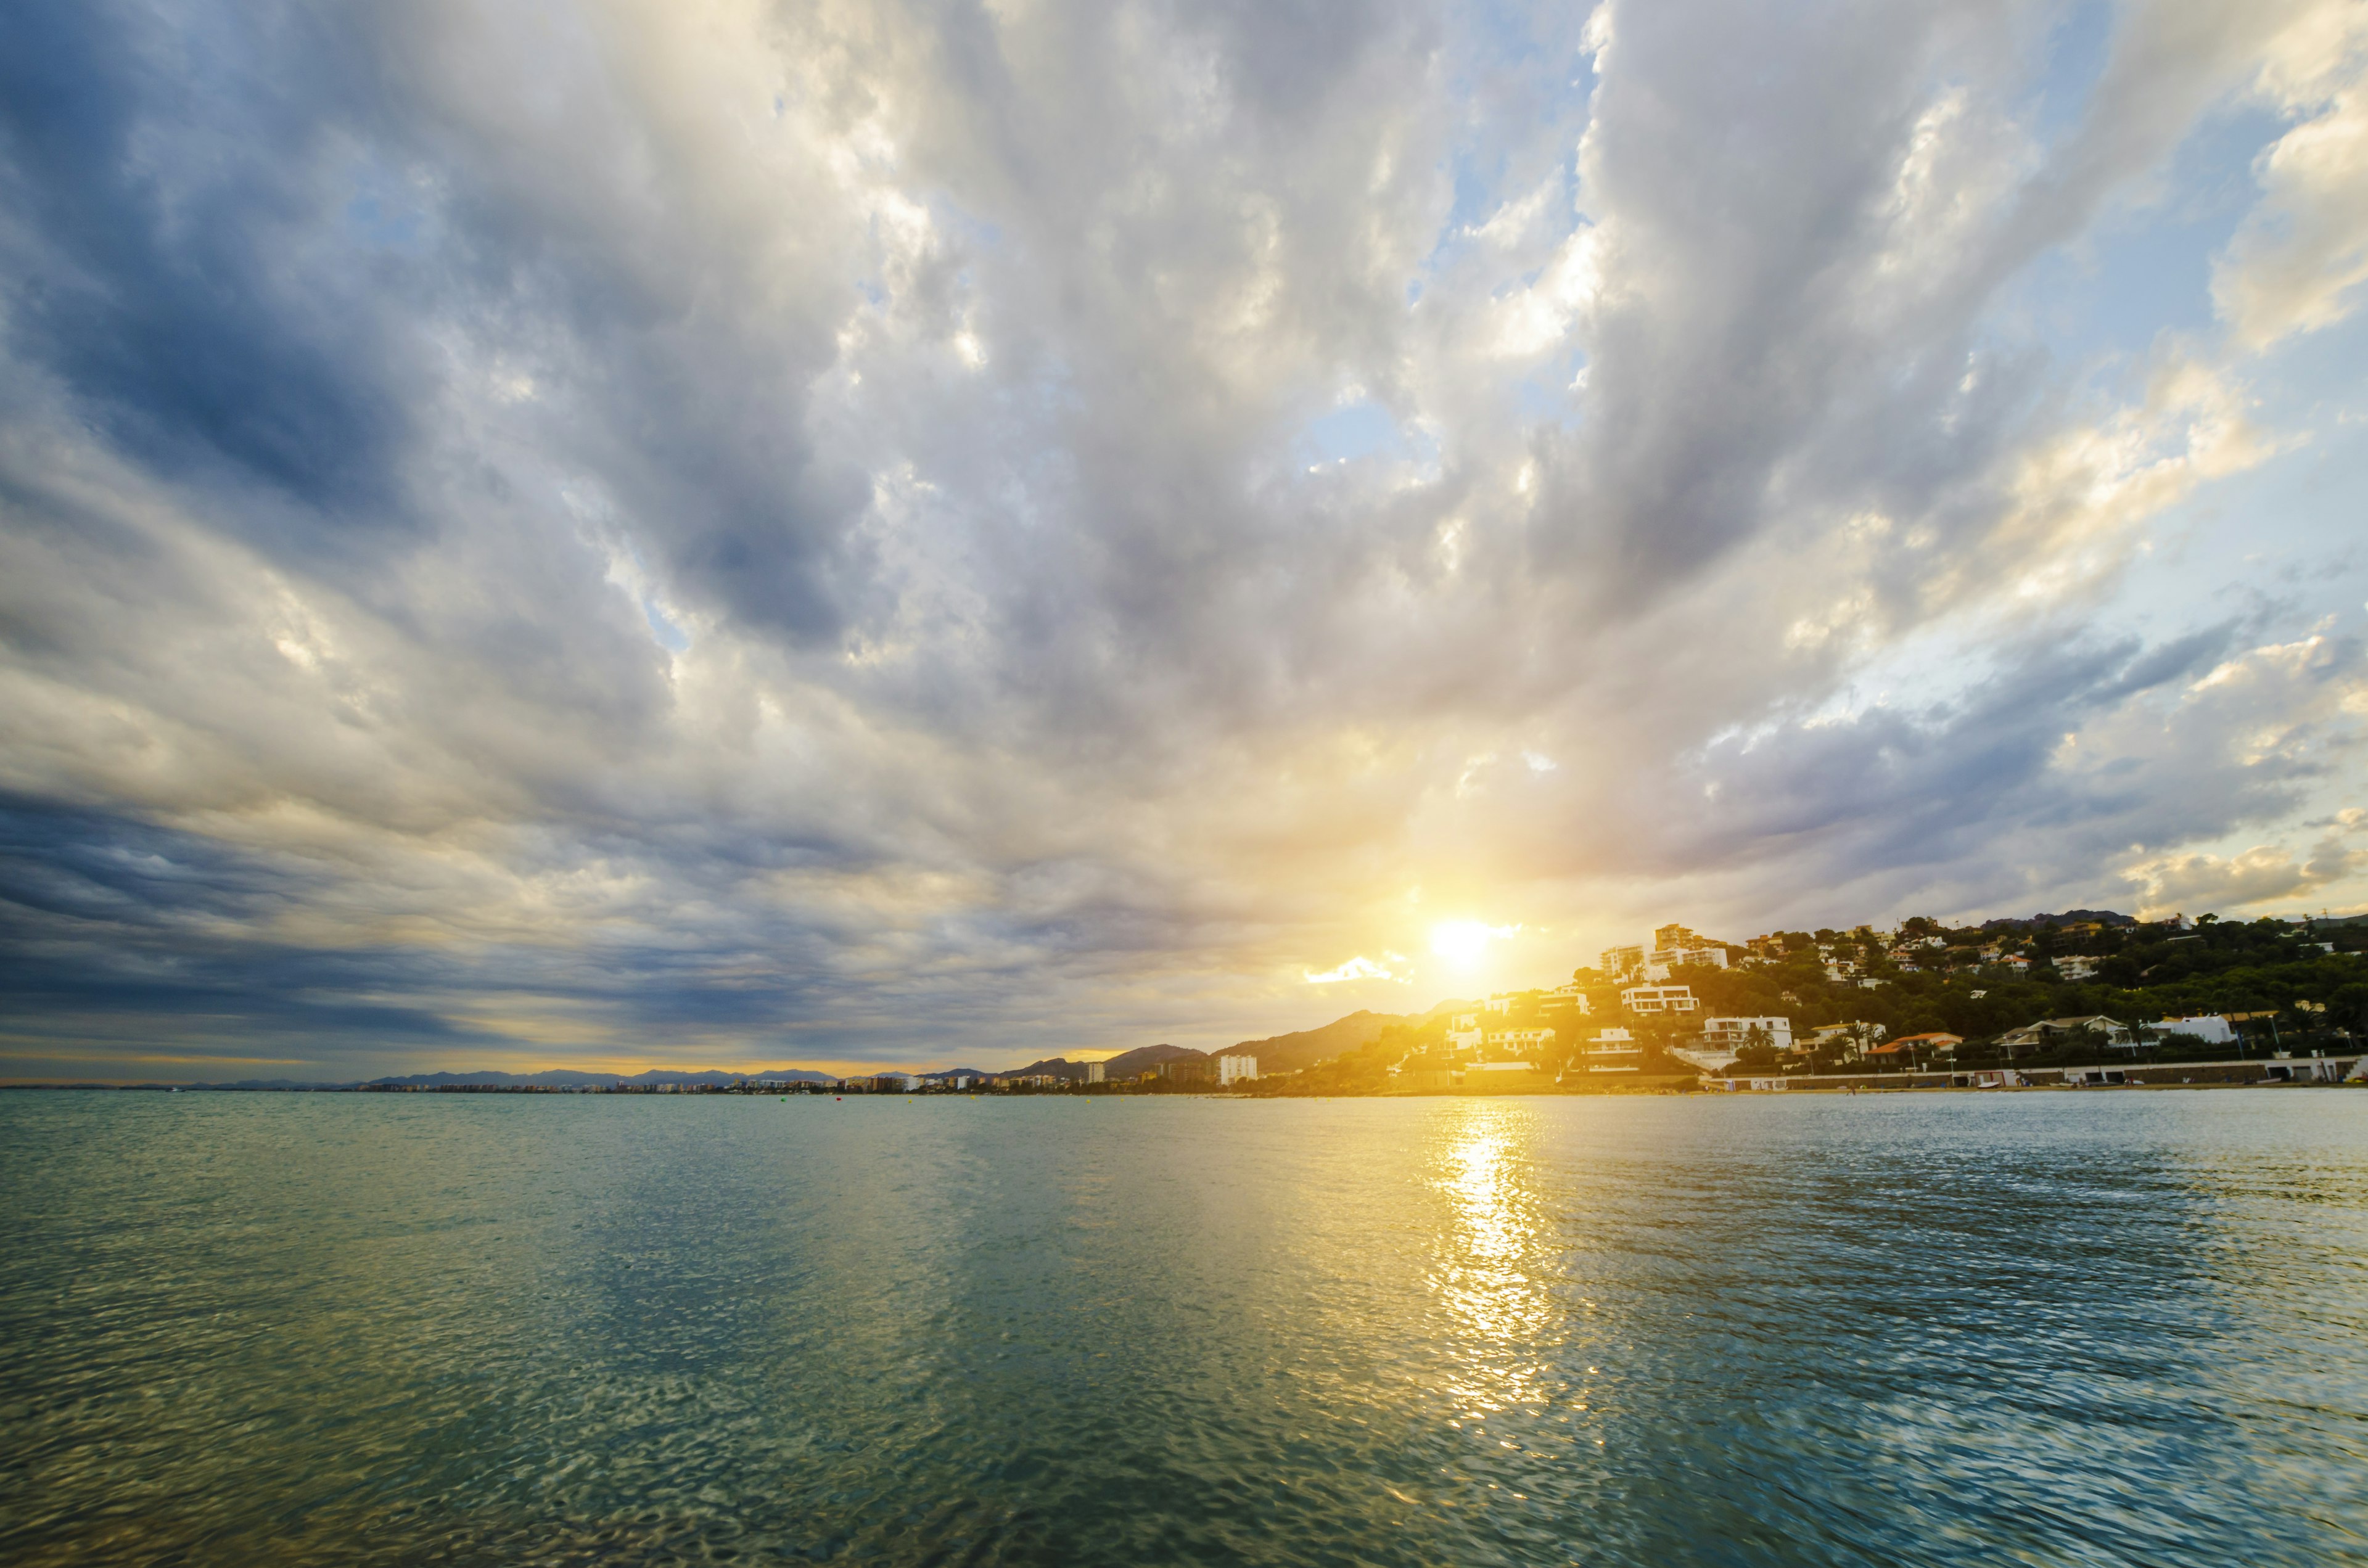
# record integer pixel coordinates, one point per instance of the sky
(629, 534)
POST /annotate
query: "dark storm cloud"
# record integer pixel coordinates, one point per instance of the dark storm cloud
(161, 171)
(89, 866)
(1888, 788)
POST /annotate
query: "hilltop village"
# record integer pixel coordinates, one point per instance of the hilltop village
(2007, 1001)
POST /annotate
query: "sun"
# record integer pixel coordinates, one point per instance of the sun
(1461, 942)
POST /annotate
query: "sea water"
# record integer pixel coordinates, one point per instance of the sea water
(2041, 1327)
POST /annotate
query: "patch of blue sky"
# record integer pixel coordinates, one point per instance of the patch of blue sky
(1496, 41)
(2147, 269)
(383, 212)
(1479, 198)
(2076, 49)
(2282, 542)
(956, 219)
(2276, 548)
(1360, 429)
(1550, 396)
(1522, 74)
(1924, 676)
(664, 628)
(1479, 191)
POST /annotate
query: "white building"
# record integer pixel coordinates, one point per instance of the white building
(1658, 999)
(1612, 1051)
(1232, 1070)
(1665, 961)
(1463, 1032)
(1855, 1037)
(2209, 1028)
(1093, 1071)
(2072, 966)
(1569, 998)
(1729, 1034)
(2047, 1030)
(1621, 960)
(1518, 1042)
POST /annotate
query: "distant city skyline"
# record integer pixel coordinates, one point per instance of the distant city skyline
(612, 534)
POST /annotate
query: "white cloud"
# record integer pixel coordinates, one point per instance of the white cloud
(2297, 263)
(2200, 883)
(1358, 967)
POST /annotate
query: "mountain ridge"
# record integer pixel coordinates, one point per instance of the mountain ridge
(1304, 1047)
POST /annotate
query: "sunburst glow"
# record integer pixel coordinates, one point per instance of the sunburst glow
(1463, 942)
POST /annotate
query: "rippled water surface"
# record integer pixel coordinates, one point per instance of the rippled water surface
(2040, 1328)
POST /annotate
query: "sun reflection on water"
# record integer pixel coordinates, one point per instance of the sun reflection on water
(1490, 1272)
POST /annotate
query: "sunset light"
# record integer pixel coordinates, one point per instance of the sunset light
(1148, 783)
(1462, 942)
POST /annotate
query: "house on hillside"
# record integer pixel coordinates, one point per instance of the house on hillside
(1658, 999)
(2210, 1029)
(1851, 1039)
(1566, 999)
(1910, 1049)
(1521, 1043)
(1463, 1031)
(2050, 1032)
(1674, 945)
(1731, 1034)
(1612, 1051)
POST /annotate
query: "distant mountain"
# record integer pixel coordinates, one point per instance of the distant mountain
(265, 1084)
(2071, 917)
(568, 1077)
(1276, 1053)
(1290, 1052)
(1144, 1058)
(1059, 1066)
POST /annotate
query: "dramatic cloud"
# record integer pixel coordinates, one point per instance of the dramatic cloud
(837, 532)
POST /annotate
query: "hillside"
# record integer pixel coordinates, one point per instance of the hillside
(1290, 1052)
(1144, 1058)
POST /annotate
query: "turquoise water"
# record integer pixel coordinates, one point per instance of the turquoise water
(2045, 1328)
